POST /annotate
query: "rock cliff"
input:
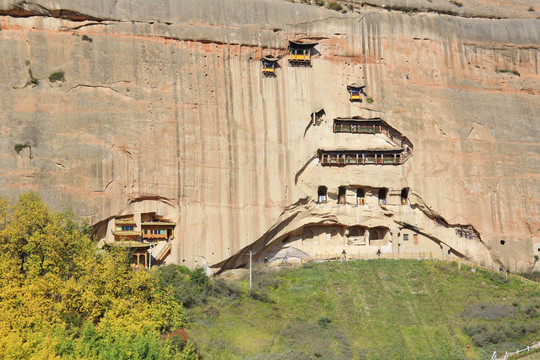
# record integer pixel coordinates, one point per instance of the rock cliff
(114, 107)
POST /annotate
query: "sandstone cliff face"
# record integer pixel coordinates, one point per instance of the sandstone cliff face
(164, 109)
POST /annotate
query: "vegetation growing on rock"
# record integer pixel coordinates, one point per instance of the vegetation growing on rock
(57, 76)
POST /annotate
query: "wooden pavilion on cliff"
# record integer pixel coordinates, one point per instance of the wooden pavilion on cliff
(269, 66)
(139, 242)
(300, 53)
(125, 230)
(157, 229)
(355, 91)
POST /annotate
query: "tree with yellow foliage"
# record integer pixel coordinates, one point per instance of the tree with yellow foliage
(62, 297)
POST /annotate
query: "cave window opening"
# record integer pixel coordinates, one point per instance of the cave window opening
(322, 194)
(360, 197)
(502, 242)
(404, 196)
(382, 196)
(342, 198)
(354, 233)
(316, 117)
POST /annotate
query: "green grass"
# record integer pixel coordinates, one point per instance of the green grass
(377, 309)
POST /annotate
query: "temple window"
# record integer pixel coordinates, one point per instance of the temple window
(404, 196)
(360, 197)
(382, 196)
(316, 117)
(322, 194)
(405, 237)
(342, 198)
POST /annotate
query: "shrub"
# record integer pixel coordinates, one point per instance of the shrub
(19, 147)
(260, 295)
(324, 321)
(514, 72)
(530, 310)
(265, 280)
(334, 5)
(531, 9)
(87, 38)
(33, 81)
(488, 311)
(404, 9)
(57, 76)
(456, 3)
(369, 100)
(483, 336)
(199, 277)
(535, 275)
(222, 289)
(319, 2)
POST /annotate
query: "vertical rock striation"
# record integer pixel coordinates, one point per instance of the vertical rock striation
(164, 109)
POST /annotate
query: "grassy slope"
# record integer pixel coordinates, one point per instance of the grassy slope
(377, 309)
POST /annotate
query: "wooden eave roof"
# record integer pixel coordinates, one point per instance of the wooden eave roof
(359, 120)
(126, 233)
(370, 151)
(270, 59)
(129, 244)
(355, 87)
(124, 221)
(158, 223)
(302, 45)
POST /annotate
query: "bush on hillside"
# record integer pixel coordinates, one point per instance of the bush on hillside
(488, 311)
(194, 287)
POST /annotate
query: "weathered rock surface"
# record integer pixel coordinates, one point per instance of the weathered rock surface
(164, 109)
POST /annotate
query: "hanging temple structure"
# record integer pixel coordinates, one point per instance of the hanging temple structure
(199, 130)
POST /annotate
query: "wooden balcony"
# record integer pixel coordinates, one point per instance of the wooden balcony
(361, 157)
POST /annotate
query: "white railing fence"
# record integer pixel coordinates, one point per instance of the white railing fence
(507, 354)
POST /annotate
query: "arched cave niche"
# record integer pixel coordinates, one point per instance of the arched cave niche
(356, 236)
(360, 197)
(382, 196)
(378, 233)
(322, 194)
(404, 196)
(308, 237)
(342, 199)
